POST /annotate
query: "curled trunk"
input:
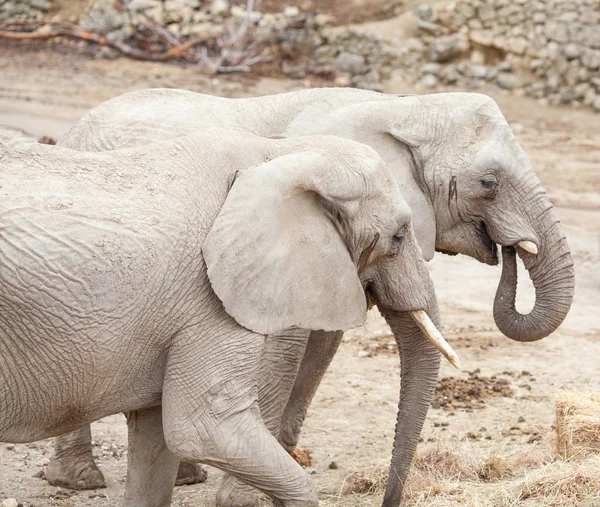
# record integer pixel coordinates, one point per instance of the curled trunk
(420, 364)
(553, 277)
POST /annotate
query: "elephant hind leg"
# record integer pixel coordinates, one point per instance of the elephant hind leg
(151, 466)
(72, 465)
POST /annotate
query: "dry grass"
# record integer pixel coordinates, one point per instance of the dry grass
(445, 476)
(577, 424)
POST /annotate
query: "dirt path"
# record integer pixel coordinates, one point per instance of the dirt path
(352, 419)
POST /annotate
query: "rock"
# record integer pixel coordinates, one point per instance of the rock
(516, 46)
(446, 48)
(596, 104)
(477, 57)
(241, 13)
(486, 12)
(449, 75)
(539, 18)
(342, 81)
(431, 68)
(219, 7)
(572, 51)
(428, 81)
(351, 63)
(591, 59)
(507, 81)
(557, 31)
(291, 11)
(10, 502)
(478, 71)
(40, 5)
(424, 12)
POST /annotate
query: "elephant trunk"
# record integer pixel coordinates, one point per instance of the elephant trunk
(553, 277)
(420, 364)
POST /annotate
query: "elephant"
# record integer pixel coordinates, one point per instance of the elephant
(468, 182)
(144, 281)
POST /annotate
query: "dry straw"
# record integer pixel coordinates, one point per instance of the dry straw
(577, 424)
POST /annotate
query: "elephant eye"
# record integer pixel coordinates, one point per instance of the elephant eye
(399, 236)
(489, 183)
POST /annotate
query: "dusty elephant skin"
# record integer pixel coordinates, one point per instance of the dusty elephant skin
(468, 182)
(145, 279)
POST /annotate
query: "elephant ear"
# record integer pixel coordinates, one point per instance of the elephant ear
(424, 224)
(274, 254)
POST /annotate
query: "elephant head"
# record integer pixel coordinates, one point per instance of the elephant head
(483, 191)
(303, 239)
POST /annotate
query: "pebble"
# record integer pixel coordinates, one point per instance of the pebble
(10, 502)
(428, 81)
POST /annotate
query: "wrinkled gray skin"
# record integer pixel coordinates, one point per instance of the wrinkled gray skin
(143, 281)
(468, 182)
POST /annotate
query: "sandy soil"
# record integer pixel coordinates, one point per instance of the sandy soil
(352, 418)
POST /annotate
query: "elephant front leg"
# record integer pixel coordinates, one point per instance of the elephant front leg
(212, 415)
(151, 466)
(72, 465)
(279, 365)
(320, 350)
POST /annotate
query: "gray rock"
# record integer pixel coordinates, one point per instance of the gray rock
(580, 90)
(553, 82)
(507, 81)
(219, 7)
(539, 18)
(449, 75)
(10, 502)
(486, 12)
(446, 48)
(351, 63)
(40, 5)
(591, 59)
(431, 68)
(478, 71)
(572, 51)
(291, 11)
(557, 31)
(428, 81)
(424, 12)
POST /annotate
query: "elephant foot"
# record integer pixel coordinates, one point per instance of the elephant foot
(73, 475)
(235, 493)
(190, 473)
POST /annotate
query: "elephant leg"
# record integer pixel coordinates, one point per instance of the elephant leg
(279, 362)
(319, 353)
(72, 465)
(211, 414)
(190, 473)
(151, 466)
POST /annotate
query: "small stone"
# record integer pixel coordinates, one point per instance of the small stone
(342, 81)
(507, 81)
(10, 502)
(428, 81)
(591, 59)
(291, 11)
(363, 353)
(478, 71)
(449, 75)
(333, 465)
(351, 63)
(596, 104)
(448, 47)
(477, 57)
(431, 68)
(424, 12)
(539, 18)
(572, 51)
(219, 7)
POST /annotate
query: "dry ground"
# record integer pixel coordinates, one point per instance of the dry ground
(505, 409)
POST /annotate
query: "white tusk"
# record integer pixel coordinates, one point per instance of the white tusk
(429, 329)
(528, 246)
